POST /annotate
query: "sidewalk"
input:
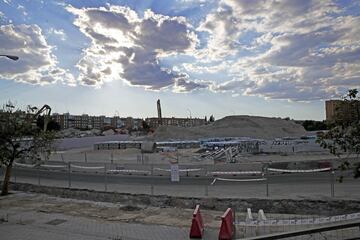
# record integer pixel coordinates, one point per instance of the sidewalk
(18, 223)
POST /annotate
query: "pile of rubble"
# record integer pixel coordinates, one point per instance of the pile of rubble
(234, 126)
(76, 133)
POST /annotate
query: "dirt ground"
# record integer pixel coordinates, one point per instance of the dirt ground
(106, 211)
(169, 216)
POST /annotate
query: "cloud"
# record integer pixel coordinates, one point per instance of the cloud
(183, 85)
(191, 1)
(22, 9)
(296, 50)
(233, 86)
(125, 46)
(58, 32)
(36, 64)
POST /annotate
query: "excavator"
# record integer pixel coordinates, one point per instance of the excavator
(46, 109)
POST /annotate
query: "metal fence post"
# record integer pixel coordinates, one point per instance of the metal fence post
(265, 174)
(14, 171)
(38, 175)
(112, 157)
(105, 176)
(69, 174)
(332, 175)
(85, 157)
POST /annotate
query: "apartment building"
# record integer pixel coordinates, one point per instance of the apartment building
(182, 122)
(98, 122)
(85, 121)
(338, 110)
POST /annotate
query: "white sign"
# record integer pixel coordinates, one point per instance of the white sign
(175, 177)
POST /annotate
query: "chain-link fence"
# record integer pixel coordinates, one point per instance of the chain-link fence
(224, 181)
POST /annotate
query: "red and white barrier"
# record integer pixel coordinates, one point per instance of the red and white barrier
(235, 173)
(298, 170)
(128, 171)
(82, 167)
(53, 166)
(261, 216)
(180, 170)
(227, 225)
(24, 165)
(249, 217)
(197, 225)
(238, 180)
(307, 221)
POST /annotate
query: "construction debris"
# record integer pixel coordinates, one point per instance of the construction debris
(233, 126)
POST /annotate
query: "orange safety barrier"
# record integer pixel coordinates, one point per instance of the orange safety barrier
(197, 226)
(227, 225)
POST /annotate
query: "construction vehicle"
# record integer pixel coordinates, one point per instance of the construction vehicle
(46, 109)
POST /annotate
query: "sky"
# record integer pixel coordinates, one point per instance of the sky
(274, 58)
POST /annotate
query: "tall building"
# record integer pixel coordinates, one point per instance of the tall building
(339, 110)
(330, 109)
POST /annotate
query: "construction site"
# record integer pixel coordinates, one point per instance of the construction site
(252, 176)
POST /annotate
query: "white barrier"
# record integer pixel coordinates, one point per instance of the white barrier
(306, 221)
(249, 217)
(235, 173)
(128, 171)
(237, 180)
(82, 167)
(53, 166)
(298, 170)
(261, 215)
(24, 165)
(180, 170)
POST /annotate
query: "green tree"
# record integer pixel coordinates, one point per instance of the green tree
(20, 138)
(343, 139)
(311, 125)
(211, 118)
(145, 126)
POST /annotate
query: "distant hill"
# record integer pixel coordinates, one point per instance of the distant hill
(233, 126)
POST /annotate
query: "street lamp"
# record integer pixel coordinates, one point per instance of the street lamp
(15, 58)
(189, 112)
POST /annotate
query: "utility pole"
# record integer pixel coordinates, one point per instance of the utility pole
(159, 112)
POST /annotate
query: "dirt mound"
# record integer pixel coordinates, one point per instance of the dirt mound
(233, 126)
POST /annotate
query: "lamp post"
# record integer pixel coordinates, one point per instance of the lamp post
(189, 112)
(189, 121)
(15, 58)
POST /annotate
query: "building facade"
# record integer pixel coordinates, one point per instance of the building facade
(339, 110)
(85, 121)
(181, 122)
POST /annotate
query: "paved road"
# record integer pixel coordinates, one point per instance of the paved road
(295, 185)
(319, 177)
